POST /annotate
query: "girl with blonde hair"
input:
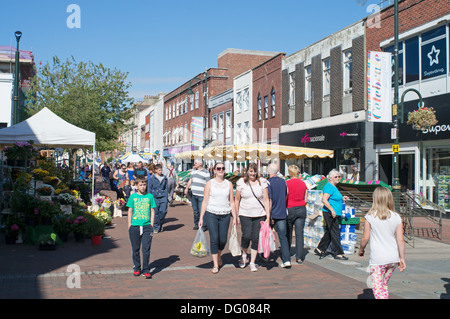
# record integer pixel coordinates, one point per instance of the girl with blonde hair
(383, 230)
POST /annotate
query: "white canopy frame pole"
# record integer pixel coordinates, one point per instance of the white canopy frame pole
(93, 170)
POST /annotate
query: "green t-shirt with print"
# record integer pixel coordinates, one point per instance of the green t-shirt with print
(141, 205)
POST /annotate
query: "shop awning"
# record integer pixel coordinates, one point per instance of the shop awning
(256, 151)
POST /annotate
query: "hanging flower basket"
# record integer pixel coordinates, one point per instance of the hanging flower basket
(422, 118)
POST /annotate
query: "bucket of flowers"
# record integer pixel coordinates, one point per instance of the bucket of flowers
(66, 201)
(422, 118)
(11, 229)
(79, 228)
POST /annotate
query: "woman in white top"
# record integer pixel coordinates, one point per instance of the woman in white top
(252, 207)
(383, 230)
(218, 203)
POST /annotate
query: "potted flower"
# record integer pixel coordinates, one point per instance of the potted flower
(422, 118)
(46, 211)
(62, 226)
(95, 229)
(66, 201)
(39, 175)
(19, 153)
(79, 228)
(52, 180)
(12, 229)
(47, 241)
(45, 191)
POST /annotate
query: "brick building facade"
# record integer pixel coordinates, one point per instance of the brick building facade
(179, 108)
(266, 100)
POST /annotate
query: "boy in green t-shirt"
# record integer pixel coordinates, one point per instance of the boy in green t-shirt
(141, 217)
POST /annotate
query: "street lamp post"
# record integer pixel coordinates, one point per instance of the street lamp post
(18, 35)
(398, 112)
(205, 99)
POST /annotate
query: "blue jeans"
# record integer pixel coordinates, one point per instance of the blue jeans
(218, 230)
(196, 206)
(136, 240)
(160, 212)
(297, 217)
(281, 227)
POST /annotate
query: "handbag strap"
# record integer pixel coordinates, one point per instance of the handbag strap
(255, 195)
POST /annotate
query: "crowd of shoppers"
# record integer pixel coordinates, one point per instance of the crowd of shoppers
(274, 201)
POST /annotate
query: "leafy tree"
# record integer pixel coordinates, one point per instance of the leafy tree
(86, 95)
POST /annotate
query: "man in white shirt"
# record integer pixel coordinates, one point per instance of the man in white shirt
(197, 182)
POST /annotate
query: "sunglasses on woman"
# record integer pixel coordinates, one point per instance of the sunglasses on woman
(220, 168)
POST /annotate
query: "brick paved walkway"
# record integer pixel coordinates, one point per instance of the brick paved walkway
(106, 270)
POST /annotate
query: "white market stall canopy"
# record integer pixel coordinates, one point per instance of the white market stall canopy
(46, 128)
(132, 158)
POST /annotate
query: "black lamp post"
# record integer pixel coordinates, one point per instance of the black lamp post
(18, 35)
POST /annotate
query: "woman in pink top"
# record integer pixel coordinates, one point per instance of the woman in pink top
(296, 206)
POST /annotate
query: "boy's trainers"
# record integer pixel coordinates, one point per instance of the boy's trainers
(136, 273)
(147, 275)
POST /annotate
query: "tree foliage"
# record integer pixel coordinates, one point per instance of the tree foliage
(86, 95)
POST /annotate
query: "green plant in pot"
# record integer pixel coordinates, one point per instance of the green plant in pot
(47, 210)
(79, 228)
(95, 229)
(62, 226)
(47, 241)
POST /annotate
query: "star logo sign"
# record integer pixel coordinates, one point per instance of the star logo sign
(434, 52)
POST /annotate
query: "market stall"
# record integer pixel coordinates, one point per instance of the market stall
(45, 128)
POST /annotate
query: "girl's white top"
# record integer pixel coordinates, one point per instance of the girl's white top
(219, 197)
(383, 242)
(249, 205)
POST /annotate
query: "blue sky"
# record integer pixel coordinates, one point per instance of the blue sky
(162, 44)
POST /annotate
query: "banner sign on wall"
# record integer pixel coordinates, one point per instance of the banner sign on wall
(379, 86)
(197, 131)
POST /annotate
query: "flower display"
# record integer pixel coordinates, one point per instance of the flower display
(102, 214)
(422, 118)
(79, 224)
(66, 199)
(21, 151)
(39, 174)
(44, 191)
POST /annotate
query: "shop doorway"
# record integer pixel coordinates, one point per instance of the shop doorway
(406, 170)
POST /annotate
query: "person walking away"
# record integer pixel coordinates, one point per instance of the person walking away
(141, 217)
(105, 171)
(158, 188)
(172, 179)
(383, 230)
(277, 201)
(120, 176)
(130, 170)
(197, 182)
(296, 206)
(252, 207)
(332, 210)
(217, 205)
(127, 190)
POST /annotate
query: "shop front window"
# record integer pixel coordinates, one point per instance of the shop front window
(348, 161)
(438, 167)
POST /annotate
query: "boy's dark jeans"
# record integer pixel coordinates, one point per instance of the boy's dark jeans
(137, 239)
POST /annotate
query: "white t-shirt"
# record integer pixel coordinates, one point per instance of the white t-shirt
(383, 242)
(219, 197)
(249, 205)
